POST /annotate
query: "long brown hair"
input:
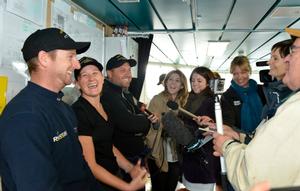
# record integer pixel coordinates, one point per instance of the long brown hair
(183, 92)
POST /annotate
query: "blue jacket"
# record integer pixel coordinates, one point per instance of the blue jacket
(275, 93)
(39, 149)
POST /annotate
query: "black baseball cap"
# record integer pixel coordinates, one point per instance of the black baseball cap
(85, 61)
(161, 79)
(117, 61)
(51, 39)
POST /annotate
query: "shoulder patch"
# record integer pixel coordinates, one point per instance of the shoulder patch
(237, 103)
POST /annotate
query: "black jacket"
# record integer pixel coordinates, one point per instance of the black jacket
(130, 124)
(231, 104)
(201, 166)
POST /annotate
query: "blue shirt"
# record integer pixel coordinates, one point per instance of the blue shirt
(39, 149)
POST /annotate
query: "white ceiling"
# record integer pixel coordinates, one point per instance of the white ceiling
(245, 23)
(182, 28)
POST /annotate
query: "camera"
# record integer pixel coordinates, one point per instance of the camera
(264, 75)
(217, 85)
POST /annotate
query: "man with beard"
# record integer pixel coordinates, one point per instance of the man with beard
(130, 124)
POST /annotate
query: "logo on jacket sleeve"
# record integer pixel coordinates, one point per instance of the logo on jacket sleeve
(237, 103)
(60, 136)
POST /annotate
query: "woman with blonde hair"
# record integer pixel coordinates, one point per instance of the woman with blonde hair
(164, 162)
(243, 101)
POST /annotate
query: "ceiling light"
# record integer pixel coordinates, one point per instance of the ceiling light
(216, 48)
(286, 12)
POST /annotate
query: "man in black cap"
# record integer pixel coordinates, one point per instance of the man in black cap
(130, 124)
(39, 149)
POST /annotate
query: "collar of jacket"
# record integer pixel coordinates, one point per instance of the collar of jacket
(113, 86)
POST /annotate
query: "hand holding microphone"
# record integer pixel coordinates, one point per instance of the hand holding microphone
(152, 117)
(179, 131)
(174, 106)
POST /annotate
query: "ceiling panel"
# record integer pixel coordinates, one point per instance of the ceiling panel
(137, 16)
(205, 36)
(276, 23)
(157, 55)
(213, 13)
(279, 23)
(256, 40)
(165, 44)
(266, 49)
(168, 8)
(246, 14)
(105, 11)
(235, 39)
(184, 42)
(202, 39)
(245, 23)
(296, 25)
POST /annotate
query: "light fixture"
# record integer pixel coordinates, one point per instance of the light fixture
(286, 12)
(216, 48)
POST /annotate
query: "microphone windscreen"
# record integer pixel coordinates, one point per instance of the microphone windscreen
(175, 129)
(172, 105)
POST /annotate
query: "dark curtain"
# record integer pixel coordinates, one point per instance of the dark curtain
(143, 57)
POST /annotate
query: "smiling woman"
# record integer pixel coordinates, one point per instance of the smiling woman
(164, 162)
(242, 102)
(95, 132)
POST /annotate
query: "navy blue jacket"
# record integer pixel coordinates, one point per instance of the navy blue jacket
(275, 93)
(39, 149)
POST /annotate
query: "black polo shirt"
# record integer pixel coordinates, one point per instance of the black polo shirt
(91, 123)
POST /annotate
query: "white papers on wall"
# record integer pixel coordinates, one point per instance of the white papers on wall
(18, 19)
(80, 27)
(31, 10)
(60, 14)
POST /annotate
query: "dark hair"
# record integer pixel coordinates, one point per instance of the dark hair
(204, 72)
(283, 47)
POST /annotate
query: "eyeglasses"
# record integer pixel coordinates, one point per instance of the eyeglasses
(293, 48)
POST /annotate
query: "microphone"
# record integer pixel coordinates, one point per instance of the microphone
(176, 129)
(182, 133)
(174, 106)
(143, 109)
